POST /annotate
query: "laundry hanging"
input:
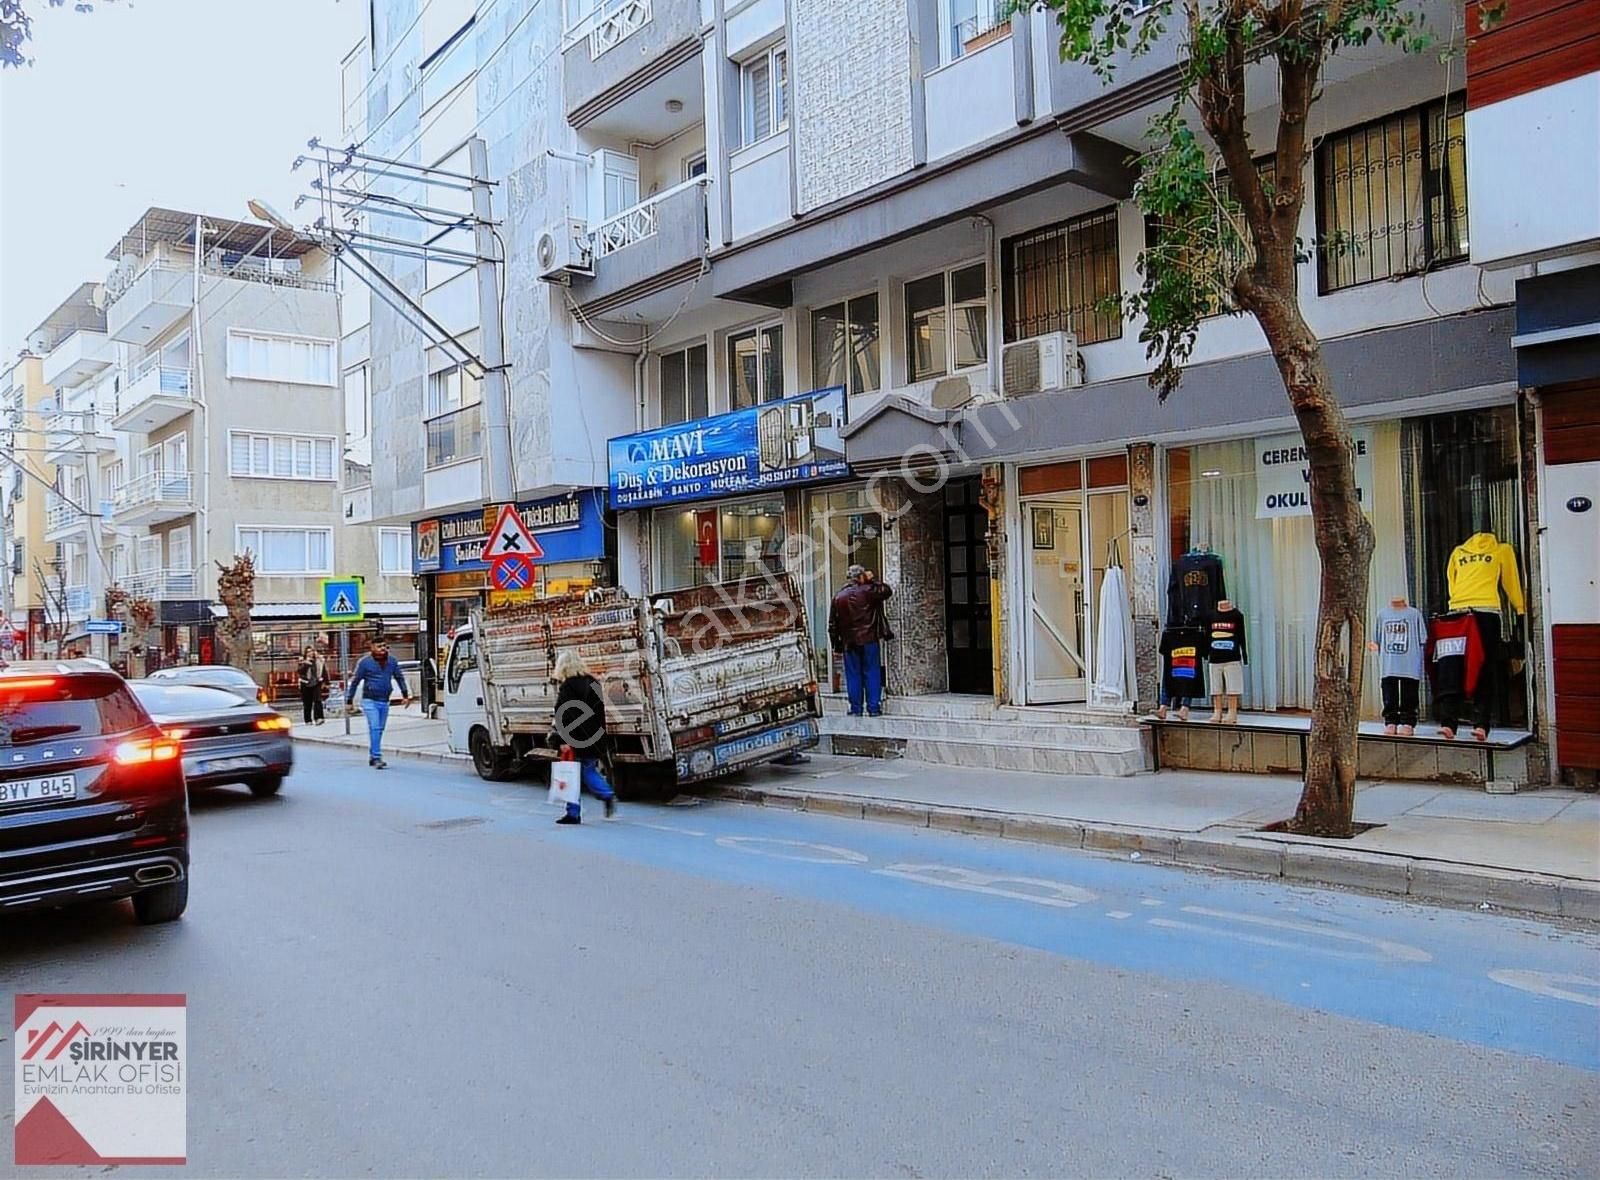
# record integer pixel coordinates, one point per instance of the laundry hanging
(1114, 642)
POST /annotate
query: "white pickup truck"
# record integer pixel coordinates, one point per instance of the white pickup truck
(697, 683)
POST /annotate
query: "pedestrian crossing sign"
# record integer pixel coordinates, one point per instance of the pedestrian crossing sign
(342, 600)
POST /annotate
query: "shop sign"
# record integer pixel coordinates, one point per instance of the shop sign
(786, 442)
(567, 528)
(1283, 474)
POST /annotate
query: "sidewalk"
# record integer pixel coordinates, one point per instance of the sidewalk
(1536, 851)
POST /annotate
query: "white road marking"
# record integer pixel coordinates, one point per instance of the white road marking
(1544, 983)
(1374, 949)
(761, 846)
(670, 828)
(1051, 893)
(1148, 901)
(1118, 914)
(885, 774)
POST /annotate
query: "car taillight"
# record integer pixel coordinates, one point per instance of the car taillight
(32, 682)
(176, 735)
(273, 723)
(694, 737)
(145, 750)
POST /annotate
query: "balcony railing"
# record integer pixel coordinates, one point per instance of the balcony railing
(989, 24)
(78, 599)
(59, 514)
(455, 436)
(160, 585)
(154, 487)
(637, 222)
(150, 378)
(608, 24)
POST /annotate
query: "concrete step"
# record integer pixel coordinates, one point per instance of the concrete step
(1110, 738)
(993, 755)
(976, 708)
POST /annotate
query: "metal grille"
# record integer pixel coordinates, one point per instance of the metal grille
(1392, 196)
(1065, 278)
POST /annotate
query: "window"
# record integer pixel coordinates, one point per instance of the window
(455, 423)
(1064, 278)
(288, 552)
(969, 25)
(451, 389)
(353, 92)
(180, 552)
(357, 405)
(697, 544)
(301, 360)
(844, 345)
(685, 390)
(1392, 196)
(1221, 251)
(394, 551)
(764, 94)
(755, 367)
(947, 322)
(614, 183)
(280, 456)
(442, 22)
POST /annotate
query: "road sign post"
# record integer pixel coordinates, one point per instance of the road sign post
(343, 602)
(344, 668)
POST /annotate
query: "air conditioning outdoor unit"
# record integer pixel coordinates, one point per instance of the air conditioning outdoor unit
(1040, 363)
(563, 251)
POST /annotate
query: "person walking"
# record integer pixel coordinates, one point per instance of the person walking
(856, 626)
(375, 675)
(580, 723)
(312, 674)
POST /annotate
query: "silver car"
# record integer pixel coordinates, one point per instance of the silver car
(223, 738)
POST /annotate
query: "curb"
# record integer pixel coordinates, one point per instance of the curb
(418, 755)
(1431, 881)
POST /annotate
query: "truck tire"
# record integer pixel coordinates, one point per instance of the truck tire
(492, 765)
(645, 782)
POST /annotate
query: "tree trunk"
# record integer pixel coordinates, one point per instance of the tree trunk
(1344, 544)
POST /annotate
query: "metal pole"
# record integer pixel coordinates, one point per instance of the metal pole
(344, 672)
(496, 397)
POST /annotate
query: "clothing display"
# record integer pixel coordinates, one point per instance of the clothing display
(1478, 570)
(1400, 699)
(1183, 676)
(1114, 645)
(1400, 633)
(1455, 661)
(1224, 633)
(1194, 588)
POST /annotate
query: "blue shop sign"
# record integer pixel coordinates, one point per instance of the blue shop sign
(792, 441)
(568, 528)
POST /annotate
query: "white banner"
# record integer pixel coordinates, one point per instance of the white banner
(1283, 474)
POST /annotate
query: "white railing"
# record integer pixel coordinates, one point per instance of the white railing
(77, 600)
(635, 223)
(607, 24)
(150, 378)
(154, 487)
(59, 514)
(121, 282)
(160, 585)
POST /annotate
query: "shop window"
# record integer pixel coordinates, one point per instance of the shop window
(844, 345)
(1392, 196)
(1064, 278)
(755, 366)
(685, 392)
(947, 323)
(696, 545)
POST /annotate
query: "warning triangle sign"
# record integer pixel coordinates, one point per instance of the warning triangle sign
(342, 605)
(510, 537)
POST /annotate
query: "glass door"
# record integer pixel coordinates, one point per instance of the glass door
(1058, 615)
(844, 532)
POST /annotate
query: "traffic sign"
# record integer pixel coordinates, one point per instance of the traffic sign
(510, 537)
(342, 600)
(104, 626)
(511, 573)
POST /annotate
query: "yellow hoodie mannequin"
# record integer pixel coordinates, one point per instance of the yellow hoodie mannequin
(1476, 571)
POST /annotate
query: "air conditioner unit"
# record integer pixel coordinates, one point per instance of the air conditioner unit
(564, 250)
(1040, 363)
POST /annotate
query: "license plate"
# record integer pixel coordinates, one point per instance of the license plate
(223, 765)
(37, 790)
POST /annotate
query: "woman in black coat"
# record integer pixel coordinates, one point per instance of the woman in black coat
(580, 722)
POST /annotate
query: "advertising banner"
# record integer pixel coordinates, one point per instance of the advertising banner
(1283, 474)
(567, 528)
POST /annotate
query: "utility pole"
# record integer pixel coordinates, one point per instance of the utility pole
(498, 482)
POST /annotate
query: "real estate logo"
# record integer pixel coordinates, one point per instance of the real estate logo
(101, 1079)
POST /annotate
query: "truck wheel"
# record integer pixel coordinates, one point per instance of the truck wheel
(492, 765)
(645, 782)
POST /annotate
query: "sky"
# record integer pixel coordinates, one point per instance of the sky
(196, 105)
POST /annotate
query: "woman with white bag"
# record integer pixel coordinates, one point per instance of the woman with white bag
(580, 723)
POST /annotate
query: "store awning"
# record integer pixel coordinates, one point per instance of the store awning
(313, 610)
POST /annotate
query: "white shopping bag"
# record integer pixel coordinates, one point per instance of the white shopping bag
(565, 782)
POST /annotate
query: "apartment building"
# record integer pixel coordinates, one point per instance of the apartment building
(829, 283)
(33, 578)
(194, 411)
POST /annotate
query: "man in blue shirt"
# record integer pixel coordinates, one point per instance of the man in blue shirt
(375, 675)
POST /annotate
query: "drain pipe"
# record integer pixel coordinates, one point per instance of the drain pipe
(991, 267)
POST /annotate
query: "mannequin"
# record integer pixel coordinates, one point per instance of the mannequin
(1399, 634)
(1227, 655)
(1479, 571)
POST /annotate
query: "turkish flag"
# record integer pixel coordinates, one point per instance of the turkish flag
(705, 536)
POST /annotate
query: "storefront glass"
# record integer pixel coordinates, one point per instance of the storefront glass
(698, 544)
(1430, 484)
(845, 531)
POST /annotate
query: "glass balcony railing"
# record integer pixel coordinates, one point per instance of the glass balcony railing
(455, 436)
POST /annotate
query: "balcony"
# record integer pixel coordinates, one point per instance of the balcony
(62, 519)
(162, 585)
(71, 437)
(454, 469)
(154, 395)
(153, 498)
(150, 303)
(77, 358)
(625, 60)
(657, 244)
(78, 602)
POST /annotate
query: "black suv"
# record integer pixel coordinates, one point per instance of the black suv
(92, 798)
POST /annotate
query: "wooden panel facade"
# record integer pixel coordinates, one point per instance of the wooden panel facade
(1540, 43)
(1571, 417)
(1576, 652)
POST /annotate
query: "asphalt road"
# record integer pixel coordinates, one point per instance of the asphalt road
(411, 972)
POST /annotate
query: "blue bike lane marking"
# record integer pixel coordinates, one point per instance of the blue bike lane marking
(1482, 978)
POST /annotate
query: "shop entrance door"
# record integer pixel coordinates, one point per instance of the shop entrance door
(969, 642)
(1058, 613)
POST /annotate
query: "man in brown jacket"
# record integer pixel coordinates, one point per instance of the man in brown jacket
(855, 626)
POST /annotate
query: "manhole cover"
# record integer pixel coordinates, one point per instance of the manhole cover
(450, 825)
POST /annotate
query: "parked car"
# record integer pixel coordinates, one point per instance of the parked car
(224, 738)
(92, 799)
(223, 676)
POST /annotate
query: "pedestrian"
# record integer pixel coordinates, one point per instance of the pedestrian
(375, 675)
(580, 722)
(313, 677)
(856, 627)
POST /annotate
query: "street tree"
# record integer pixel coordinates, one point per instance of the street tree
(236, 590)
(16, 27)
(1226, 239)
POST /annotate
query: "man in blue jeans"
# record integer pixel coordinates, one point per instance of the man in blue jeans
(375, 675)
(856, 626)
